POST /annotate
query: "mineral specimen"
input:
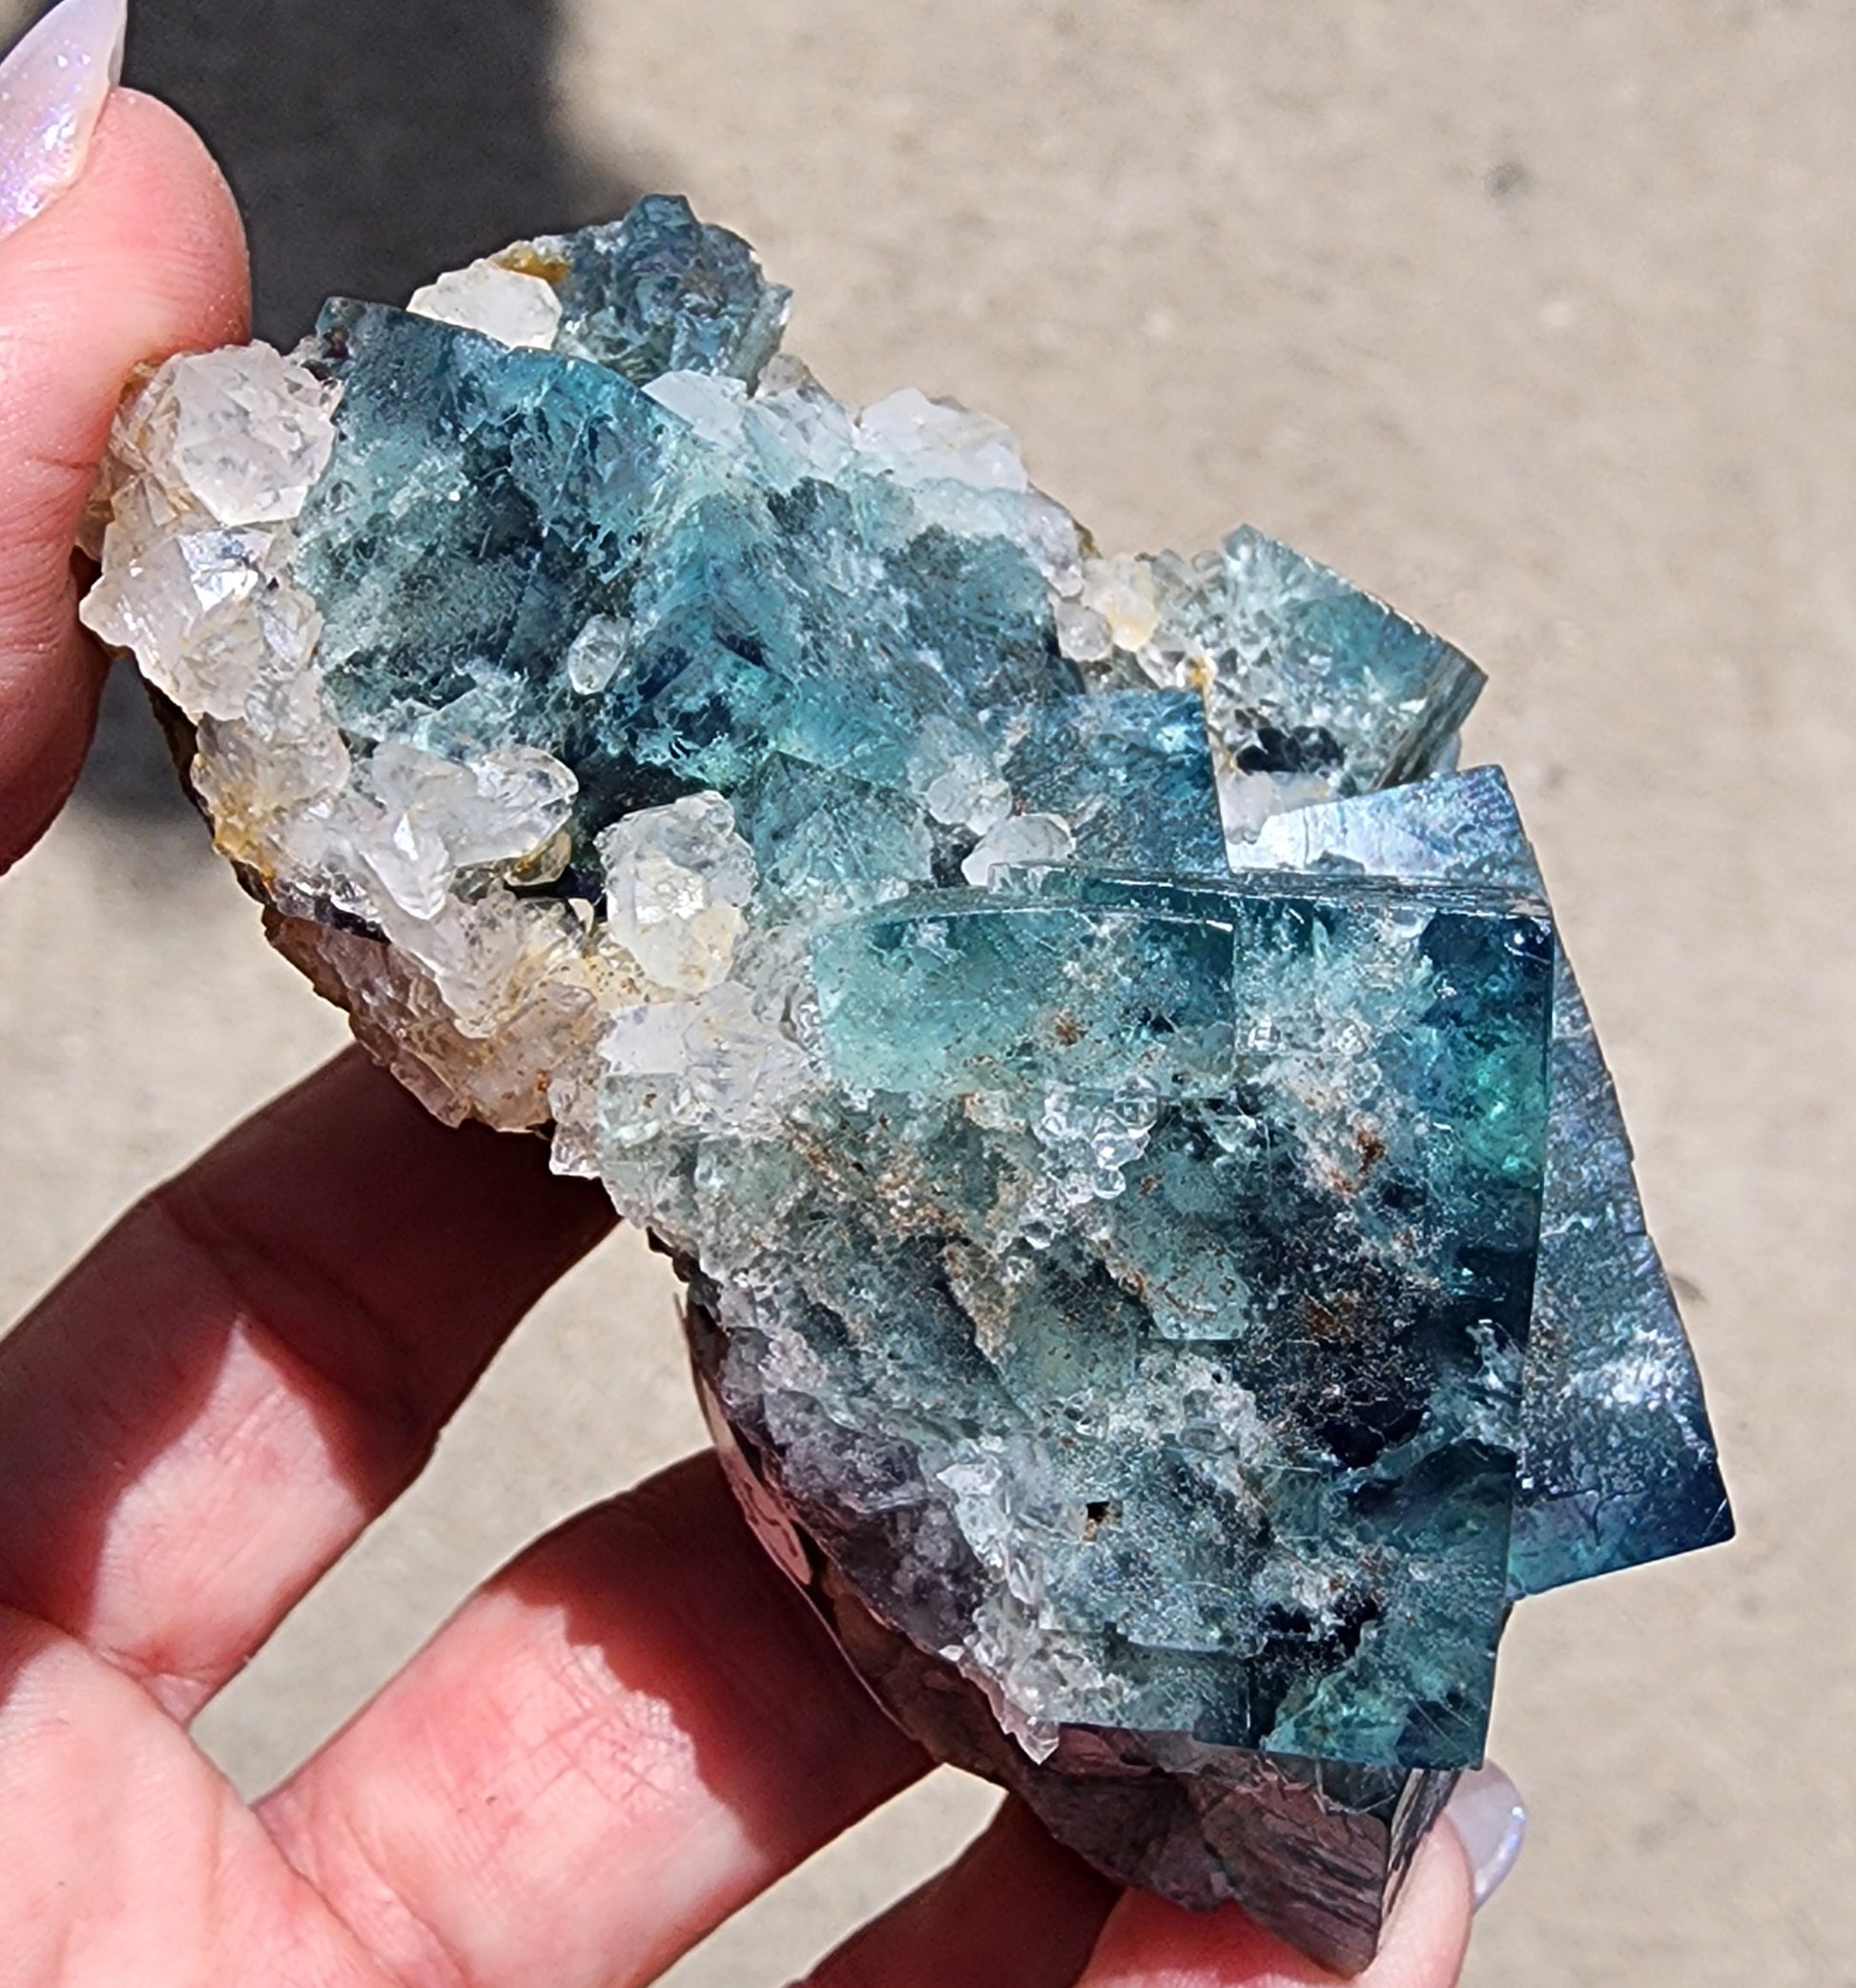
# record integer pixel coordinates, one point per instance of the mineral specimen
(1164, 1266)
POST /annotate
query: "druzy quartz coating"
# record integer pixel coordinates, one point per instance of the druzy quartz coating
(1164, 1266)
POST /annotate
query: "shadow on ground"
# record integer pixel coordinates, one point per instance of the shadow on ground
(370, 145)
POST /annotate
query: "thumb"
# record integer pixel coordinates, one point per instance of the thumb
(1150, 1944)
(140, 255)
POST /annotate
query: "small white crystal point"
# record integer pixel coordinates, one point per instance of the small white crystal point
(441, 817)
(252, 432)
(597, 652)
(504, 304)
(1120, 590)
(1020, 839)
(958, 780)
(711, 404)
(676, 878)
(931, 440)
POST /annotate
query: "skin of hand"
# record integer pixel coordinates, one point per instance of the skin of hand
(620, 1739)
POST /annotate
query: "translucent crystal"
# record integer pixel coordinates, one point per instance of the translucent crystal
(926, 440)
(1019, 838)
(1165, 1271)
(597, 655)
(249, 434)
(504, 304)
(439, 818)
(676, 878)
(1617, 1462)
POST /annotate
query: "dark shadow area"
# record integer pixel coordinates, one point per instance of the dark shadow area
(129, 775)
(372, 143)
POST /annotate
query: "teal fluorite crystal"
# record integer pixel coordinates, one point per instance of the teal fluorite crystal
(1618, 1465)
(1165, 1267)
(1288, 1344)
(659, 293)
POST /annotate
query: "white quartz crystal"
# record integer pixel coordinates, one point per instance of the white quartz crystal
(251, 434)
(971, 795)
(676, 878)
(1020, 839)
(797, 428)
(711, 404)
(239, 436)
(714, 1063)
(504, 304)
(1120, 590)
(958, 779)
(440, 816)
(598, 651)
(931, 440)
(213, 456)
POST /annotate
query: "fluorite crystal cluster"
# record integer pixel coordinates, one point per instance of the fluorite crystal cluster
(1164, 1266)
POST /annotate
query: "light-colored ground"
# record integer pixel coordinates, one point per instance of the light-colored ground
(1536, 320)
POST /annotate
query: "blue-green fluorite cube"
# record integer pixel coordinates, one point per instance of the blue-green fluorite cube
(1618, 1464)
(1264, 1372)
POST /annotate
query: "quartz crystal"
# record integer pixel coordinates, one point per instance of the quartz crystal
(1164, 1272)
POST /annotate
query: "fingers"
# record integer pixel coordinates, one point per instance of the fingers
(609, 1749)
(1015, 1910)
(255, 1361)
(127, 1859)
(1019, 1911)
(143, 254)
(1150, 1944)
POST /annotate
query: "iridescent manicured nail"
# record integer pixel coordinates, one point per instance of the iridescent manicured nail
(1489, 1815)
(52, 87)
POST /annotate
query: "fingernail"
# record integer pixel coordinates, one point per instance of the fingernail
(52, 87)
(1488, 1813)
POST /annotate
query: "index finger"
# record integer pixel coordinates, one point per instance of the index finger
(143, 254)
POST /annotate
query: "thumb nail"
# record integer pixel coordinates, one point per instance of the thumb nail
(1488, 1814)
(52, 87)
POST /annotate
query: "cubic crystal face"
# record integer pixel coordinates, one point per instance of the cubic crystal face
(1249, 1368)
(1165, 1268)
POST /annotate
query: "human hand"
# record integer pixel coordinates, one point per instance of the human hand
(620, 1738)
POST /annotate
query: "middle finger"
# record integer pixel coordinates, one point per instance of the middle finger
(606, 1751)
(255, 1361)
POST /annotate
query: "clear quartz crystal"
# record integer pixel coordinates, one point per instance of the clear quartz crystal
(439, 818)
(504, 304)
(597, 655)
(958, 779)
(243, 433)
(933, 441)
(1020, 839)
(677, 879)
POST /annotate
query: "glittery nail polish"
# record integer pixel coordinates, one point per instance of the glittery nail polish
(1488, 1814)
(52, 87)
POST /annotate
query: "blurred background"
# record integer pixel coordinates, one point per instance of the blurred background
(1536, 320)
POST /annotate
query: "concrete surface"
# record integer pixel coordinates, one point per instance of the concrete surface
(1535, 320)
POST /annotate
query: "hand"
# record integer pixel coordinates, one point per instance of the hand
(623, 1736)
